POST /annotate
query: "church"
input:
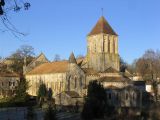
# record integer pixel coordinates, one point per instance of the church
(69, 79)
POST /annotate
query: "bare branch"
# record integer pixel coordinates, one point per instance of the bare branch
(12, 6)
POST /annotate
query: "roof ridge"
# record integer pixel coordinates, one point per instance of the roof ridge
(102, 26)
(37, 58)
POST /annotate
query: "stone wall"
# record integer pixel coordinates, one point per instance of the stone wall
(55, 81)
(124, 97)
(102, 52)
(75, 79)
(65, 100)
(116, 84)
(8, 85)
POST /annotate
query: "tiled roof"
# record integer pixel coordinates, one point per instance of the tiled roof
(112, 87)
(127, 73)
(52, 67)
(139, 83)
(90, 71)
(111, 70)
(130, 87)
(112, 79)
(102, 26)
(6, 73)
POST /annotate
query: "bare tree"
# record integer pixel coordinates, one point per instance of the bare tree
(57, 57)
(26, 53)
(132, 67)
(123, 65)
(11, 5)
(148, 66)
(80, 56)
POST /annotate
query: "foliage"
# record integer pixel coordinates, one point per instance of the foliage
(42, 91)
(95, 104)
(45, 96)
(49, 95)
(50, 114)
(14, 5)
(132, 67)
(23, 55)
(148, 66)
(21, 90)
(123, 65)
(87, 113)
(152, 112)
(2, 3)
(6, 7)
(14, 102)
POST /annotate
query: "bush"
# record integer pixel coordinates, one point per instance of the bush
(42, 93)
(95, 104)
(15, 102)
(50, 114)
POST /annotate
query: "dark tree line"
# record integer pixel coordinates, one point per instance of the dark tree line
(147, 67)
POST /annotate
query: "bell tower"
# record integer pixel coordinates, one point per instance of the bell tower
(102, 47)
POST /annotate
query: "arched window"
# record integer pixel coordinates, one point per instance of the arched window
(109, 96)
(13, 83)
(134, 96)
(95, 48)
(75, 85)
(108, 45)
(69, 82)
(126, 96)
(80, 82)
(114, 46)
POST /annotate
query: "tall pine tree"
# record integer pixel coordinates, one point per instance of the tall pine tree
(95, 104)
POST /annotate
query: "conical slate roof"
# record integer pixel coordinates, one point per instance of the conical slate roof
(72, 58)
(102, 26)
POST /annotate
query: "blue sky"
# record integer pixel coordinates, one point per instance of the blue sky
(61, 26)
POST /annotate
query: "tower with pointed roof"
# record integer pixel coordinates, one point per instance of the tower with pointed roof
(102, 48)
(72, 58)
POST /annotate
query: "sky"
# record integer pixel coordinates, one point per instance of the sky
(61, 26)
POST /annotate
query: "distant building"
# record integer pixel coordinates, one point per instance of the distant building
(7, 61)
(36, 62)
(8, 83)
(129, 96)
(71, 77)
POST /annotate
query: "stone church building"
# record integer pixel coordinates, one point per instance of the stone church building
(69, 79)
